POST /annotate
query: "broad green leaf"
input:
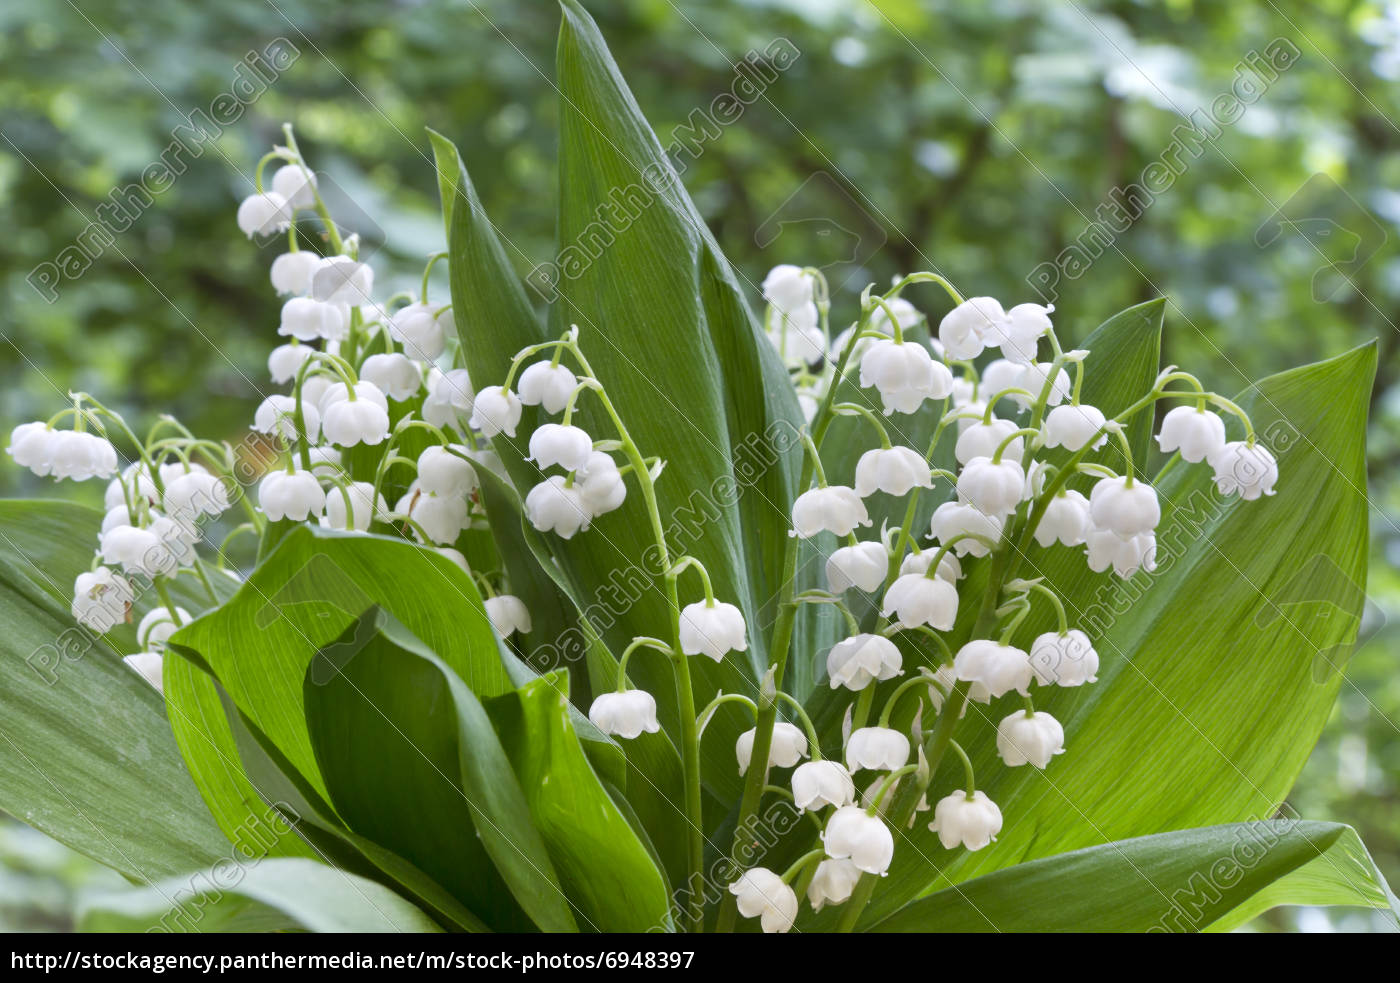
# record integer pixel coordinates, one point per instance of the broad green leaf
(305, 594)
(1170, 882)
(1217, 671)
(86, 753)
(607, 871)
(274, 893)
(412, 762)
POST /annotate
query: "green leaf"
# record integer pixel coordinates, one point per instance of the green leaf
(305, 594)
(1170, 882)
(267, 895)
(1218, 671)
(606, 869)
(412, 762)
(87, 754)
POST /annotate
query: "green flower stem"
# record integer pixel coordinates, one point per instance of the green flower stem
(888, 783)
(801, 862)
(855, 409)
(428, 272)
(967, 768)
(925, 277)
(703, 720)
(998, 397)
(813, 743)
(641, 641)
(332, 233)
(1011, 438)
(163, 592)
(687, 562)
(904, 687)
(895, 329)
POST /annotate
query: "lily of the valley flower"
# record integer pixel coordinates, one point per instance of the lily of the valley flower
(137, 551)
(787, 287)
(837, 509)
(863, 565)
(982, 440)
(1126, 555)
(101, 599)
(291, 272)
(762, 894)
(833, 883)
(264, 214)
(1072, 426)
(449, 398)
(550, 386)
(420, 330)
(1032, 379)
(788, 747)
(394, 374)
(194, 494)
(158, 625)
(905, 375)
(307, 319)
(296, 184)
(1019, 334)
(286, 360)
(150, 666)
(853, 834)
(1028, 737)
(1246, 469)
(949, 568)
(892, 470)
(442, 472)
(877, 748)
(1066, 519)
(496, 410)
(361, 420)
(1064, 660)
(567, 446)
(627, 714)
(62, 453)
(1197, 433)
(364, 507)
(921, 600)
(1125, 509)
(601, 485)
(953, 519)
(993, 488)
(818, 784)
(277, 415)
(508, 615)
(441, 517)
(343, 281)
(1000, 668)
(290, 495)
(713, 629)
(968, 328)
(970, 821)
(860, 660)
(555, 506)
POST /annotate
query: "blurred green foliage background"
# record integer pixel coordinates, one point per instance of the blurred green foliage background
(978, 139)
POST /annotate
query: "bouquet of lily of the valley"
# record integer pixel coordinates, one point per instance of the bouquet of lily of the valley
(907, 613)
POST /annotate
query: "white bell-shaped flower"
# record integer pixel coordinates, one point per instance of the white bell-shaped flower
(117, 515)
(350, 422)
(905, 375)
(178, 538)
(1020, 334)
(949, 568)
(855, 835)
(713, 629)
(1064, 660)
(441, 471)
(343, 281)
(833, 883)
(555, 506)
(277, 415)
(788, 747)
(1066, 518)
(818, 784)
(567, 446)
(952, 519)
(1127, 509)
(797, 336)
(508, 615)
(761, 894)
(291, 272)
(101, 599)
(863, 565)
(155, 629)
(627, 714)
(972, 821)
(441, 517)
(326, 462)
(1072, 426)
(394, 374)
(836, 508)
(892, 470)
(353, 506)
(79, 455)
(602, 486)
(307, 319)
(264, 214)
(456, 557)
(992, 487)
(1000, 668)
(286, 361)
(137, 551)
(968, 328)
(982, 440)
(1125, 554)
(1198, 434)
(1033, 377)
(194, 494)
(787, 287)
(860, 660)
(296, 184)
(1247, 469)
(921, 600)
(1029, 738)
(420, 330)
(290, 495)
(877, 748)
(150, 666)
(550, 386)
(314, 386)
(495, 411)
(449, 398)
(999, 375)
(29, 446)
